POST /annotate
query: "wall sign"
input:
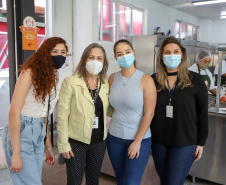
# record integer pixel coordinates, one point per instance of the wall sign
(29, 31)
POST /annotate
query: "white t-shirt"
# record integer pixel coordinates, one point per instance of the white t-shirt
(194, 68)
(223, 71)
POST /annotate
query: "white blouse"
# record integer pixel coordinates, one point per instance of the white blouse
(35, 108)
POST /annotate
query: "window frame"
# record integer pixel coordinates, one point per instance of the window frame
(187, 24)
(118, 3)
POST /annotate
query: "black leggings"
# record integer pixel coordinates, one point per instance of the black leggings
(88, 158)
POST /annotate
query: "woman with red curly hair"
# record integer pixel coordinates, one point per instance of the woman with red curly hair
(32, 101)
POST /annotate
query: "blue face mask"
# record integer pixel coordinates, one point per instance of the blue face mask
(172, 61)
(126, 61)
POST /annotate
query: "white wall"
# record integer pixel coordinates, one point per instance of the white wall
(163, 16)
(157, 15)
(61, 22)
(213, 32)
(219, 31)
(62, 27)
(80, 25)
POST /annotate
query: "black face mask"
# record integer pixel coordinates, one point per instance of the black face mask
(58, 61)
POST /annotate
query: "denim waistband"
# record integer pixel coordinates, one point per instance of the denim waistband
(31, 119)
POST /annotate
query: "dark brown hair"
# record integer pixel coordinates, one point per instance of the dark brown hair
(81, 68)
(127, 42)
(44, 75)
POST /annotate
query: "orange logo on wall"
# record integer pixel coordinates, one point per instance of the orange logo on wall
(29, 31)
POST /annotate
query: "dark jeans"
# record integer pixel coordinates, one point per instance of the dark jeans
(127, 171)
(173, 163)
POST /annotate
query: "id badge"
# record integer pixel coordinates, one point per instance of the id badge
(169, 111)
(95, 122)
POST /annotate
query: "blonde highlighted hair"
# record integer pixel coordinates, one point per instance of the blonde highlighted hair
(81, 68)
(183, 73)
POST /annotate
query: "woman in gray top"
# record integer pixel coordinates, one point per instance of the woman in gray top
(133, 97)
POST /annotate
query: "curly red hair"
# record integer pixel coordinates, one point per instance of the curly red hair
(44, 74)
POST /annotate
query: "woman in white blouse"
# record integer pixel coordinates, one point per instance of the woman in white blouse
(23, 139)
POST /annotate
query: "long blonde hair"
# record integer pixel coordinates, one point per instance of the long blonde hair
(183, 73)
(81, 68)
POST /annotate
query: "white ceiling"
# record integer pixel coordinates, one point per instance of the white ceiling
(212, 11)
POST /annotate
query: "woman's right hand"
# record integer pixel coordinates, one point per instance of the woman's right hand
(16, 163)
(68, 155)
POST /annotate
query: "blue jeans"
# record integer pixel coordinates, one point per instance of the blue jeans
(32, 134)
(127, 171)
(173, 163)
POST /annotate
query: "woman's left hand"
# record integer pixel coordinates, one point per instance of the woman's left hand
(50, 157)
(198, 152)
(134, 149)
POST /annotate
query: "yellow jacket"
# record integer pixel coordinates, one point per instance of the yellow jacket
(75, 112)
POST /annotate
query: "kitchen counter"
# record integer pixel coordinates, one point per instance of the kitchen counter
(212, 165)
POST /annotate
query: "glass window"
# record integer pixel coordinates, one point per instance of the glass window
(177, 31)
(120, 21)
(3, 9)
(183, 30)
(41, 36)
(4, 69)
(189, 32)
(4, 63)
(40, 10)
(137, 22)
(40, 6)
(109, 21)
(99, 20)
(195, 32)
(124, 22)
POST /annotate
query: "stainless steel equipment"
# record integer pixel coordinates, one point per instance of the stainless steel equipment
(146, 48)
(190, 46)
(214, 60)
(212, 165)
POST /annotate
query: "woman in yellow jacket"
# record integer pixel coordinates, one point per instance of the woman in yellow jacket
(81, 120)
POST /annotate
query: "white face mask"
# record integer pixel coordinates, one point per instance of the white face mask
(94, 67)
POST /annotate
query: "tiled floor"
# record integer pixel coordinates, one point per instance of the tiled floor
(56, 175)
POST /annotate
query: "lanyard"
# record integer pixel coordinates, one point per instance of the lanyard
(94, 97)
(170, 93)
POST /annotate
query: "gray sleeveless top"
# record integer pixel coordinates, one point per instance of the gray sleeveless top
(127, 99)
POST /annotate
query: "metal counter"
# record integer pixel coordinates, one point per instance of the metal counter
(212, 165)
